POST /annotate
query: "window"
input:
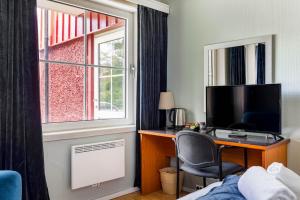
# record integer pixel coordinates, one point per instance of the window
(110, 83)
(84, 58)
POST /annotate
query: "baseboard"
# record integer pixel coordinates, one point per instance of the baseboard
(121, 193)
(189, 190)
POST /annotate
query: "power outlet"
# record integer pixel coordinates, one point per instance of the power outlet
(97, 185)
(199, 187)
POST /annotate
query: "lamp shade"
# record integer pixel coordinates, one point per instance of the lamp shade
(166, 101)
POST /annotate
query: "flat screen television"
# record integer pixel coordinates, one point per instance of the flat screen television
(249, 108)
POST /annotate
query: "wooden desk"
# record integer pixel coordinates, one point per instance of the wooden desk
(157, 147)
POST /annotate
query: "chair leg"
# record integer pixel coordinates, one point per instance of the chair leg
(177, 176)
(204, 181)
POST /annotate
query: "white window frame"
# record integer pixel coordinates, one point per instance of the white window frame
(131, 60)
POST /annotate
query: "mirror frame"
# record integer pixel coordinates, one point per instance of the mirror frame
(266, 39)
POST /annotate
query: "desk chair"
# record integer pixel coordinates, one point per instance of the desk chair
(201, 157)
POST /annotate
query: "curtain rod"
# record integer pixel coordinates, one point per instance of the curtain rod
(127, 5)
(152, 4)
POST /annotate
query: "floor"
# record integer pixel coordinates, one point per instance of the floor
(153, 196)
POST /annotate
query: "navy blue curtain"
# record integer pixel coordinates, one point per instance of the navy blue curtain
(237, 65)
(152, 73)
(261, 62)
(21, 147)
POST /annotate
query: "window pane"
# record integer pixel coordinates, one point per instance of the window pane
(42, 91)
(105, 54)
(118, 53)
(110, 86)
(112, 53)
(63, 38)
(105, 93)
(99, 22)
(41, 31)
(105, 72)
(101, 26)
(118, 92)
(117, 71)
(109, 94)
(66, 93)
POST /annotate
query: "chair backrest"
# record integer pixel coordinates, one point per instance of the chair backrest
(196, 149)
(10, 185)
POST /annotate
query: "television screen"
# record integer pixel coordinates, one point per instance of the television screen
(252, 108)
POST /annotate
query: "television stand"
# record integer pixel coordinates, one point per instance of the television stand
(265, 139)
(277, 137)
(208, 131)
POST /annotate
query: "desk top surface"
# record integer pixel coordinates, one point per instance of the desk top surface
(253, 142)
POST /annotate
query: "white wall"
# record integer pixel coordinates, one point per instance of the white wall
(196, 23)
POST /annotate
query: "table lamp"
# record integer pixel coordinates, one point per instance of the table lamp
(166, 101)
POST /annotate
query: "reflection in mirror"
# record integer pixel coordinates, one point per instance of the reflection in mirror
(237, 65)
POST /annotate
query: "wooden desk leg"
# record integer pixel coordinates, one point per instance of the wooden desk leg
(245, 158)
(155, 155)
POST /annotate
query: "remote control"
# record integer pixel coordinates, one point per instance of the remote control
(237, 135)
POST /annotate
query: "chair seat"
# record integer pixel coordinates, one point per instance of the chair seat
(212, 171)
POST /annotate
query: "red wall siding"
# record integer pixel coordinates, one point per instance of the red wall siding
(90, 79)
(66, 82)
(42, 90)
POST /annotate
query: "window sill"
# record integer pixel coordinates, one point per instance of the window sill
(89, 132)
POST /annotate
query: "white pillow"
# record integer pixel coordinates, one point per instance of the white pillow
(286, 176)
(257, 184)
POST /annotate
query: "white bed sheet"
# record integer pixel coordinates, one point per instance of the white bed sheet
(202, 192)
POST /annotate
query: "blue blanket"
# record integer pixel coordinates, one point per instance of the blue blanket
(227, 191)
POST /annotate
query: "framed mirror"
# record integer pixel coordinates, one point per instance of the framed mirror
(239, 62)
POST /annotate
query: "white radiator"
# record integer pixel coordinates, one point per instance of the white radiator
(97, 163)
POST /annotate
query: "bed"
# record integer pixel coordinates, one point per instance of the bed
(256, 183)
(200, 193)
(226, 190)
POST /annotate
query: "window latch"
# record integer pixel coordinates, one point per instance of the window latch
(132, 69)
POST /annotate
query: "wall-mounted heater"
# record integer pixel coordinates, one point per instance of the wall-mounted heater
(97, 163)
